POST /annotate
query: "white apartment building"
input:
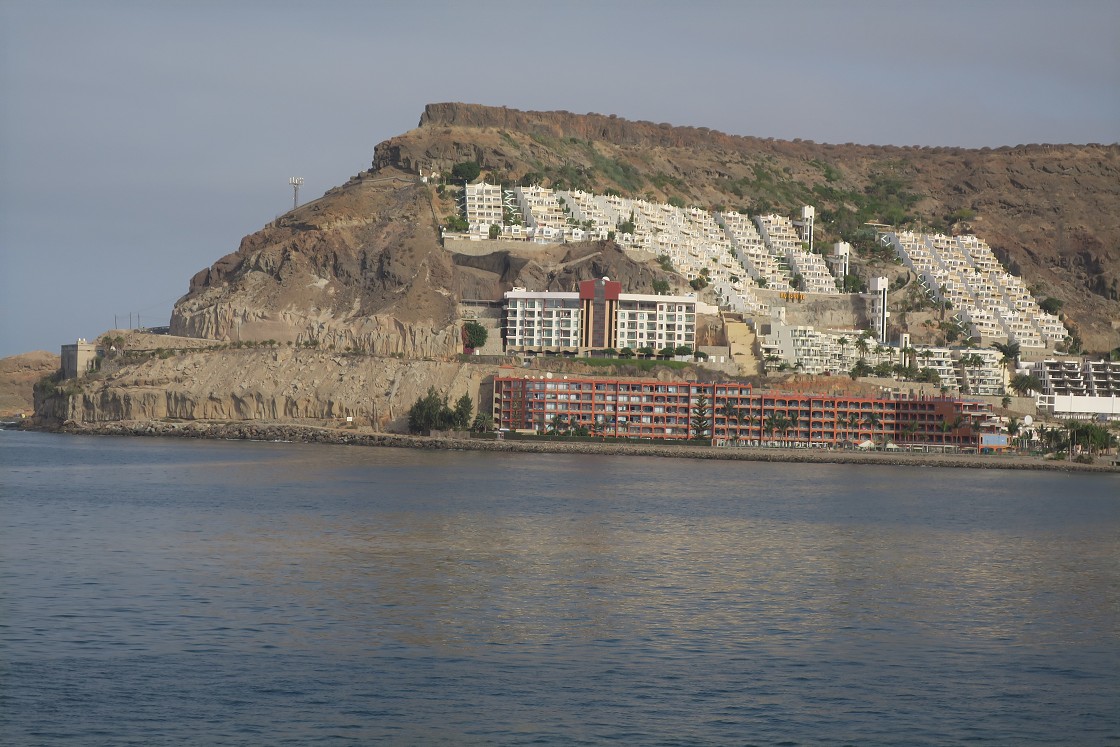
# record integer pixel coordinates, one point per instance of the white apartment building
(943, 361)
(879, 312)
(657, 322)
(483, 203)
(811, 351)
(981, 371)
(1077, 389)
(545, 219)
(990, 302)
(1076, 376)
(751, 250)
(596, 317)
(783, 239)
(542, 321)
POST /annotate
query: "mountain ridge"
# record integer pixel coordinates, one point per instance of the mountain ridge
(1050, 212)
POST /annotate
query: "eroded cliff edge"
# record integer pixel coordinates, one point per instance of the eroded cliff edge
(359, 268)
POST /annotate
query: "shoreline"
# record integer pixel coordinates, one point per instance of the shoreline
(293, 433)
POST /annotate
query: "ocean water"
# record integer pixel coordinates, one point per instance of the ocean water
(190, 592)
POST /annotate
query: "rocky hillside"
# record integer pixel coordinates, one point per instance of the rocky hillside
(359, 268)
(360, 299)
(1052, 212)
(363, 268)
(272, 384)
(18, 374)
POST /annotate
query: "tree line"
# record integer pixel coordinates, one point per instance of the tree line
(433, 412)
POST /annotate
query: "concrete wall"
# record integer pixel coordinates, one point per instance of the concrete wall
(482, 248)
(847, 311)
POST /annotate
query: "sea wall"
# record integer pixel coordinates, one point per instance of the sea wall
(309, 434)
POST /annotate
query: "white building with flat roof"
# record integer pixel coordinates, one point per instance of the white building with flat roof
(596, 317)
(483, 204)
(1078, 389)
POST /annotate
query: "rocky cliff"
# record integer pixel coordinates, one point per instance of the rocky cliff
(359, 268)
(18, 374)
(363, 268)
(275, 384)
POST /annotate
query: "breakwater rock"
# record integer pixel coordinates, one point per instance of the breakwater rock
(293, 433)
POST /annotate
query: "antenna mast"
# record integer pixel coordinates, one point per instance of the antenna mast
(295, 181)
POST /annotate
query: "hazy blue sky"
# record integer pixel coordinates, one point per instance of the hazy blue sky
(139, 141)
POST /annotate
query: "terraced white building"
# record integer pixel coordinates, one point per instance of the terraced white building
(986, 299)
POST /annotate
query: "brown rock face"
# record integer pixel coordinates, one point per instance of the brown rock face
(281, 384)
(18, 374)
(361, 267)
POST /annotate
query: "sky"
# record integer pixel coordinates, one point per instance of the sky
(140, 141)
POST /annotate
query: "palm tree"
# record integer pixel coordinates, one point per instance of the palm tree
(730, 414)
(853, 422)
(770, 425)
(559, 424)
(862, 346)
(783, 424)
(1024, 384)
(1008, 351)
(1009, 354)
(746, 419)
(861, 368)
(873, 421)
(1013, 428)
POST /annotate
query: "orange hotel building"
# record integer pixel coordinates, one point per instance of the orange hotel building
(736, 413)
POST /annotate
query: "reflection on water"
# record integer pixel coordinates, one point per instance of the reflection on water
(336, 594)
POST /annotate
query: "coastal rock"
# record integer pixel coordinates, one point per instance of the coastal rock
(18, 374)
(265, 385)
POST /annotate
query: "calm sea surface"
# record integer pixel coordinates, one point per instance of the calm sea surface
(179, 592)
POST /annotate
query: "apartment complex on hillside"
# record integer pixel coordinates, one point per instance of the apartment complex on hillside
(963, 272)
(734, 254)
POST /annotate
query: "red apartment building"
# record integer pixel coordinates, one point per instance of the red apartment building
(731, 413)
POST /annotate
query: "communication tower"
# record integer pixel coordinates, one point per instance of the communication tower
(295, 181)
